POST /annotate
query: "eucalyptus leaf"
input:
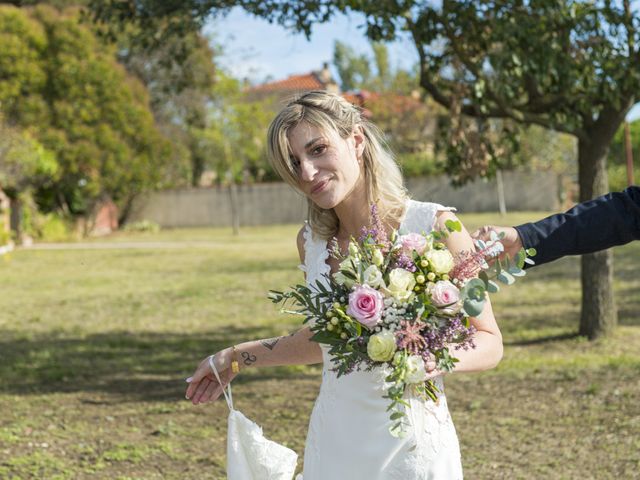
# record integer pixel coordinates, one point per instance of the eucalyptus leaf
(506, 278)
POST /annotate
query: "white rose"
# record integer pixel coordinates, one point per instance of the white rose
(416, 372)
(373, 277)
(401, 283)
(440, 260)
(382, 346)
(377, 257)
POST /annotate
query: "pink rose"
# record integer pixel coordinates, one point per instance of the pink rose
(365, 305)
(444, 293)
(413, 241)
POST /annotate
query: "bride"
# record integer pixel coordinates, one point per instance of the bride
(323, 147)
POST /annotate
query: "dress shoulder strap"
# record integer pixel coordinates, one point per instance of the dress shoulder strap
(315, 255)
(421, 216)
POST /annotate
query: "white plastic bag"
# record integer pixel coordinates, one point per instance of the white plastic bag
(251, 456)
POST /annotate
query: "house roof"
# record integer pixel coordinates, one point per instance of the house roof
(308, 81)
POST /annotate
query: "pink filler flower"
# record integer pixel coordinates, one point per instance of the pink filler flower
(365, 305)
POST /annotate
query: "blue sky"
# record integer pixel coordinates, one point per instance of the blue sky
(255, 49)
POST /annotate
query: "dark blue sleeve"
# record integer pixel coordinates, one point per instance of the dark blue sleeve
(598, 224)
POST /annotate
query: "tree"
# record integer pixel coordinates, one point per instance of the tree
(180, 76)
(353, 68)
(65, 87)
(24, 165)
(236, 133)
(567, 66)
(570, 66)
(381, 57)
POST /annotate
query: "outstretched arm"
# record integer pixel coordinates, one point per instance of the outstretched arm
(294, 349)
(607, 221)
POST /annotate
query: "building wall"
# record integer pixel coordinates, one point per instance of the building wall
(273, 203)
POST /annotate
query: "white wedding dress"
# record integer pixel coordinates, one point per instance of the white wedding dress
(348, 436)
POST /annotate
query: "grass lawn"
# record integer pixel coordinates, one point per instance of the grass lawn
(95, 345)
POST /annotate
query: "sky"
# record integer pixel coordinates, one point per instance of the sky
(257, 50)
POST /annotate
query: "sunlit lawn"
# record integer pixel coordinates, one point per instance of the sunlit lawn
(95, 345)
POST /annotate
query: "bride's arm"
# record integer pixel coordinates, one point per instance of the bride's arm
(488, 339)
(294, 349)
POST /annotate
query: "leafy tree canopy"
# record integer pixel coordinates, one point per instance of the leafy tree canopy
(65, 87)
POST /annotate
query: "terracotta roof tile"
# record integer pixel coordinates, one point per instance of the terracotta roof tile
(307, 81)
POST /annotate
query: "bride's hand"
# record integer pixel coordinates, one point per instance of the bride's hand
(430, 367)
(203, 385)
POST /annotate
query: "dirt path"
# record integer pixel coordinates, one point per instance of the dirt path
(120, 245)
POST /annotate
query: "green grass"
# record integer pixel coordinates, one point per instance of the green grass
(95, 346)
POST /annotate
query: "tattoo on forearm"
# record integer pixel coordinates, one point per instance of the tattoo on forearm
(270, 343)
(248, 358)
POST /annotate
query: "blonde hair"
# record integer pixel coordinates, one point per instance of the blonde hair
(327, 111)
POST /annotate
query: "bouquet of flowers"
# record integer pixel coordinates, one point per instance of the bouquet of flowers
(399, 301)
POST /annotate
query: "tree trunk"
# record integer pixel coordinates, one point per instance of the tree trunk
(15, 218)
(235, 210)
(598, 316)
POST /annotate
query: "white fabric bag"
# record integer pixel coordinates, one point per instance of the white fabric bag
(251, 456)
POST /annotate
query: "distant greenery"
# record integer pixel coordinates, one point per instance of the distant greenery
(617, 164)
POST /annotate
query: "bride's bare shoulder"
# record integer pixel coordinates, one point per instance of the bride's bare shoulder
(300, 240)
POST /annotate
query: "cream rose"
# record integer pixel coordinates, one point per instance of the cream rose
(373, 277)
(401, 283)
(416, 370)
(382, 346)
(440, 260)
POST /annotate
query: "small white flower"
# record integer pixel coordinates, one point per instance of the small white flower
(373, 277)
(416, 372)
(377, 257)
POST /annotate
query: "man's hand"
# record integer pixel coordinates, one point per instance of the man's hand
(510, 240)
